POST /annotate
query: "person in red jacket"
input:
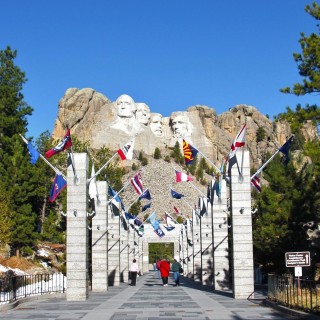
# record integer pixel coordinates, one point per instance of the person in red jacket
(164, 271)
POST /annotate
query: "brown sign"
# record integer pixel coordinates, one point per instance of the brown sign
(298, 259)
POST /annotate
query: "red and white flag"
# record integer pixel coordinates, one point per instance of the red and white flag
(238, 142)
(136, 181)
(126, 152)
(181, 177)
(255, 181)
(64, 144)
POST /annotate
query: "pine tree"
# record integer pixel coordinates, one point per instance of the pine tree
(16, 172)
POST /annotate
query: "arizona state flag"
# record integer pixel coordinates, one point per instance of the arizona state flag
(189, 152)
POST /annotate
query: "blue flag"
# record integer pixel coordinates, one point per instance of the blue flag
(175, 194)
(285, 149)
(145, 195)
(156, 225)
(34, 154)
(58, 185)
(147, 206)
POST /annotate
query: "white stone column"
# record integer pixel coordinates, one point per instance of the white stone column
(77, 230)
(124, 254)
(197, 268)
(207, 247)
(242, 246)
(190, 253)
(100, 241)
(221, 269)
(139, 252)
(145, 256)
(113, 249)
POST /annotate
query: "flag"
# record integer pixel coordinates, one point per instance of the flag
(202, 206)
(170, 225)
(175, 194)
(145, 207)
(156, 225)
(255, 181)
(126, 152)
(64, 144)
(116, 202)
(145, 195)
(176, 210)
(57, 186)
(285, 149)
(238, 142)
(93, 188)
(180, 176)
(70, 163)
(189, 152)
(34, 154)
(137, 183)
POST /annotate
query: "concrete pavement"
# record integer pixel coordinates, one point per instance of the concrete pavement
(149, 300)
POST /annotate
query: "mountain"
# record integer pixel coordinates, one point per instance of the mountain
(94, 118)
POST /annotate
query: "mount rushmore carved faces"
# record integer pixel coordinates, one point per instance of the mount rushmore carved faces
(180, 125)
(143, 113)
(156, 124)
(126, 106)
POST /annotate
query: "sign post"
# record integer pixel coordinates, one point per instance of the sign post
(298, 260)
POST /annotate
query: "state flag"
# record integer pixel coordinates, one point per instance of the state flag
(181, 177)
(59, 183)
(64, 144)
(126, 152)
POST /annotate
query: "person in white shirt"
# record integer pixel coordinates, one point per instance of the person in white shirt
(134, 269)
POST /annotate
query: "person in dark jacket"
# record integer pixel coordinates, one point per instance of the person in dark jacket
(175, 268)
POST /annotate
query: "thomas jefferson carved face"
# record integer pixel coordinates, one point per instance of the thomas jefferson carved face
(143, 114)
(126, 106)
(156, 124)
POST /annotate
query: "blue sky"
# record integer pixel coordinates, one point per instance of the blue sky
(170, 54)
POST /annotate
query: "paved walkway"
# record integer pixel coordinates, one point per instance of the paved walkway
(148, 300)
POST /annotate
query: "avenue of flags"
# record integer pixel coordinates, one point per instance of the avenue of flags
(214, 188)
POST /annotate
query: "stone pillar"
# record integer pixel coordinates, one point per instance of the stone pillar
(113, 249)
(197, 268)
(139, 254)
(131, 245)
(220, 242)
(207, 247)
(124, 254)
(242, 246)
(185, 250)
(145, 256)
(77, 230)
(190, 252)
(100, 241)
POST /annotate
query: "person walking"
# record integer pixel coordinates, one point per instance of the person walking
(175, 268)
(164, 271)
(134, 269)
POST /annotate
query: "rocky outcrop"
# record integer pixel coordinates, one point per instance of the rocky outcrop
(93, 118)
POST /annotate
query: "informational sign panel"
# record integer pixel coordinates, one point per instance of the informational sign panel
(298, 259)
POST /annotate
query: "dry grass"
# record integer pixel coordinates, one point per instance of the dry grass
(17, 263)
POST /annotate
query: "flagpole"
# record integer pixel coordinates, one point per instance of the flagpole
(261, 168)
(57, 171)
(119, 192)
(76, 178)
(209, 160)
(197, 188)
(102, 167)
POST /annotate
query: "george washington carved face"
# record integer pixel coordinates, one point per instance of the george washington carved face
(126, 107)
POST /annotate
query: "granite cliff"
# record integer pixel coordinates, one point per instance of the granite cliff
(96, 119)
